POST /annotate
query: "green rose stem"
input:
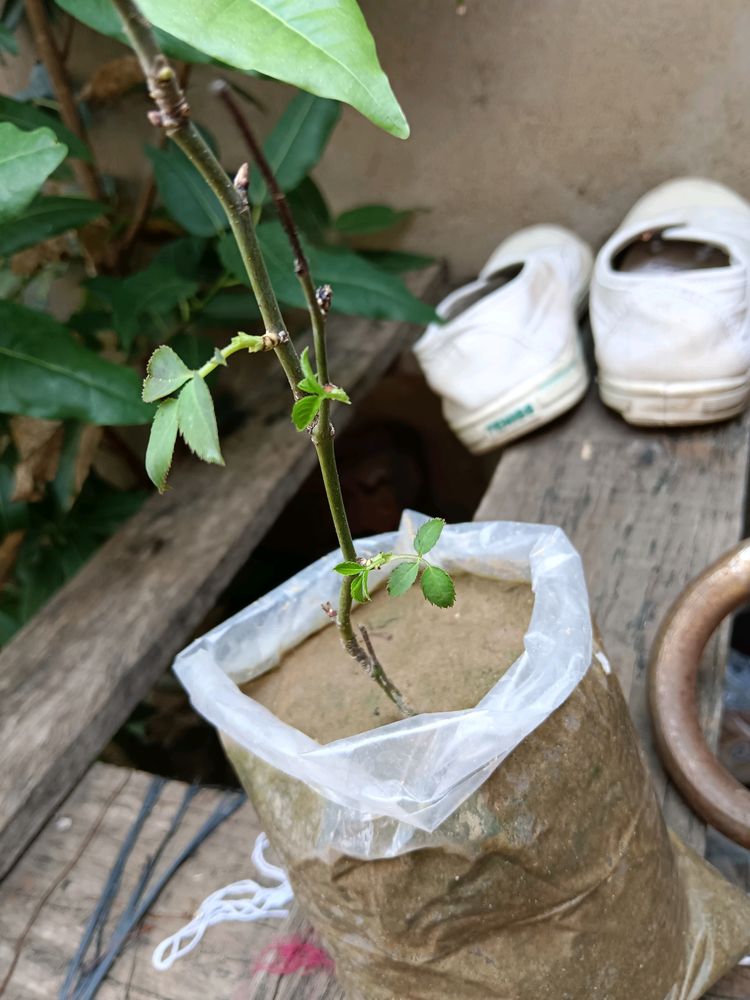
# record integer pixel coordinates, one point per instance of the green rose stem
(172, 114)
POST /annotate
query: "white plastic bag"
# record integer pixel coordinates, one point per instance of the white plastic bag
(388, 784)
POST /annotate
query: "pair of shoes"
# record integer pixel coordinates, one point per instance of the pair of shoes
(670, 316)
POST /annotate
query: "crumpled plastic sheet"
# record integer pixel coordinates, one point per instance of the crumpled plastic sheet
(416, 771)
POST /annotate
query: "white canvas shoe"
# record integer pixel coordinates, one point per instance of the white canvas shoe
(508, 357)
(669, 307)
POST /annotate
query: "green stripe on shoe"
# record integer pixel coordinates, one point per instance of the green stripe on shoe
(511, 418)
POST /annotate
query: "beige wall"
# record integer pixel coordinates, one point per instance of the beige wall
(521, 111)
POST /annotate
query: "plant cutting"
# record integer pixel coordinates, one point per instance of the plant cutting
(479, 822)
(159, 266)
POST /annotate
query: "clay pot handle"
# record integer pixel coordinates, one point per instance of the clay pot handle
(708, 787)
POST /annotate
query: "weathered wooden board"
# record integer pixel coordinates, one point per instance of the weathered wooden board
(51, 892)
(648, 511)
(73, 675)
(48, 897)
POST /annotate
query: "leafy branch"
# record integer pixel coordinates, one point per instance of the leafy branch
(190, 413)
(437, 585)
(306, 410)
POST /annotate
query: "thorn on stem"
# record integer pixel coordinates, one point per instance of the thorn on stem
(329, 610)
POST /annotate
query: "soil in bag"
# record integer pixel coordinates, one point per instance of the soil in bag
(557, 880)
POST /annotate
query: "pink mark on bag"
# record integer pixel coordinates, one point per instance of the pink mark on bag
(295, 954)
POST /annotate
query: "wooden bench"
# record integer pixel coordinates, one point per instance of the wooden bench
(647, 511)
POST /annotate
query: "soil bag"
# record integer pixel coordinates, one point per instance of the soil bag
(512, 848)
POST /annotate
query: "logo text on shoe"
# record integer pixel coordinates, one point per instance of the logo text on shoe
(511, 418)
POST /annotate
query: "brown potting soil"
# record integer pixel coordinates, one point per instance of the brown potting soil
(320, 690)
(556, 880)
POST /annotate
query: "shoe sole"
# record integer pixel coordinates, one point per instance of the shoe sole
(665, 404)
(530, 405)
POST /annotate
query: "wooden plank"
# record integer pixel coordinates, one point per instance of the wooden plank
(50, 894)
(53, 889)
(648, 511)
(72, 676)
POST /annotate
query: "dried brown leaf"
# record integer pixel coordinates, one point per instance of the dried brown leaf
(38, 443)
(29, 261)
(95, 241)
(111, 80)
(9, 547)
(91, 437)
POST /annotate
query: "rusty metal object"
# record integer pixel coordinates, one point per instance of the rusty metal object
(714, 794)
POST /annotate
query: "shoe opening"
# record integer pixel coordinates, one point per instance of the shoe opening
(498, 279)
(652, 251)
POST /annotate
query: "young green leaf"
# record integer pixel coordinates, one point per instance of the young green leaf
(348, 568)
(310, 382)
(312, 386)
(438, 587)
(307, 368)
(166, 372)
(402, 578)
(304, 411)
(337, 393)
(359, 587)
(427, 536)
(197, 421)
(161, 443)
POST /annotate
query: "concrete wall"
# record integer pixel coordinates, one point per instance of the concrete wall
(521, 111)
